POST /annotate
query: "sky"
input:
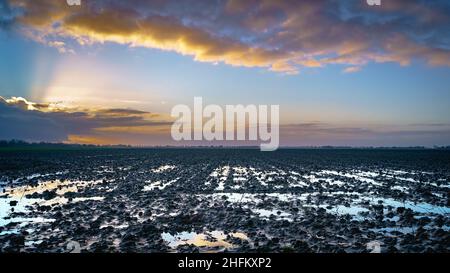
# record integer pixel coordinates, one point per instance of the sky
(109, 72)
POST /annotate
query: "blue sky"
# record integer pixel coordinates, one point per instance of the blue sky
(403, 88)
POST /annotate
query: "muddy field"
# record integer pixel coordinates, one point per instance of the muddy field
(215, 200)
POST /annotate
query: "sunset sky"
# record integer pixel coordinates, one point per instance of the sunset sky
(109, 71)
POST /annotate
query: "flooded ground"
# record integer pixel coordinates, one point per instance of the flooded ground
(215, 200)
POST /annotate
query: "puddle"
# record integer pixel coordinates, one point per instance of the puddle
(158, 185)
(354, 211)
(163, 168)
(23, 222)
(273, 214)
(59, 186)
(255, 198)
(416, 207)
(366, 177)
(221, 174)
(21, 200)
(208, 240)
(404, 230)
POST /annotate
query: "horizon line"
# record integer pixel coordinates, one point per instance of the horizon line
(6, 143)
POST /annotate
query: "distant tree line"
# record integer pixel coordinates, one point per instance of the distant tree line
(15, 143)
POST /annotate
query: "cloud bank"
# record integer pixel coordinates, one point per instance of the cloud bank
(24, 120)
(280, 35)
(320, 134)
(34, 122)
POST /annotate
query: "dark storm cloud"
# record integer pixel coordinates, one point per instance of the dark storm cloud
(281, 35)
(20, 119)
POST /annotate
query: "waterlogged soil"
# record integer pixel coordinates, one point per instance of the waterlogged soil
(225, 200)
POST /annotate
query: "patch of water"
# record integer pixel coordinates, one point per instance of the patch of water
(163, 168)
(213, 239)
(158, 185)
(275, 214)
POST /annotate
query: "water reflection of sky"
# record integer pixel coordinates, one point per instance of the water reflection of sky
(16, 203)
(213, 239)
(229, 184)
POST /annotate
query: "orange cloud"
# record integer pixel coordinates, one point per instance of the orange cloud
(282, 36)
(86, 139)
(135, 129)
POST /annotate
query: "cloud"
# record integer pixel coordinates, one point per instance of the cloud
(352, 69)
(283, 36)
(25, 120)
(320, 134)
(21, 119)
(60, 46)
